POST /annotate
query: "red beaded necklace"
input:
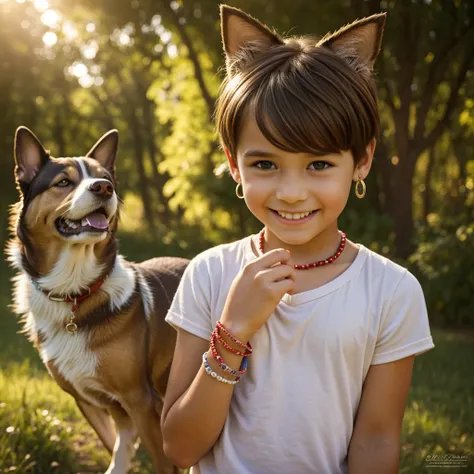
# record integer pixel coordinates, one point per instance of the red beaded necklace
(320, 263)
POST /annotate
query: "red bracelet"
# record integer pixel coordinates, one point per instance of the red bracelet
(222, 364)
(240, 343)
(221, 341)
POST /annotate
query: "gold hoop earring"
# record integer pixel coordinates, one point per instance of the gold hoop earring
(240, 196)
(360, 193)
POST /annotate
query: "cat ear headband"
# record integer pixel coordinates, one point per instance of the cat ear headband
(358, 43)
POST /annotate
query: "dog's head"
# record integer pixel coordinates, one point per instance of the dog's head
(65, 201)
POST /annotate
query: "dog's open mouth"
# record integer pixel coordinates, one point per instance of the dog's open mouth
(94, 222)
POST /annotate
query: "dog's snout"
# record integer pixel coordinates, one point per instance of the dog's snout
(101, 187)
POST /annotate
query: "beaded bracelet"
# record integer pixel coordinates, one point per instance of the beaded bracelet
(221, 341)
(247, 346)
(223, 365)
(209, 370)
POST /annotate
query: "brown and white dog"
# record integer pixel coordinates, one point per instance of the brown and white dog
(96, 319)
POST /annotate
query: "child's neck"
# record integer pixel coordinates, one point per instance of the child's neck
(321, 247)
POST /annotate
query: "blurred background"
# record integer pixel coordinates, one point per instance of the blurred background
(72, 70)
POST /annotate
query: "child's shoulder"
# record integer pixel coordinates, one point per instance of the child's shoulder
(391, 273)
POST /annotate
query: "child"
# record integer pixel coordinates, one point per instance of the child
(313, 337)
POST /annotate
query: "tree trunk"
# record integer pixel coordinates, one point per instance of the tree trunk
(428, 175)
(402, 206)
(462, 156)
(158, 179)
(383, 170)
(139, 159)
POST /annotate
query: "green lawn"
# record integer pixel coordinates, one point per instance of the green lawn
(41, 431)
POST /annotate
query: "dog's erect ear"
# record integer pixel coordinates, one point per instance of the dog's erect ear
(30, 156)
(105, 150)
(358, 43)
(239, 28)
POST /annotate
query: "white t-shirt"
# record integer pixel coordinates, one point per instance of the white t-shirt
(294, 409)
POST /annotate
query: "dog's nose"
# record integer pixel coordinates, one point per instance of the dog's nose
(102, 188)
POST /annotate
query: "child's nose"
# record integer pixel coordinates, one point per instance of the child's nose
(292, 192)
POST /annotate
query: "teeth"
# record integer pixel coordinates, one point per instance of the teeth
(294, 216)
(84, 222)
(66, 225)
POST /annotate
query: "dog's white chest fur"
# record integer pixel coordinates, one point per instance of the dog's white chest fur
(47, 319)
(70, 353)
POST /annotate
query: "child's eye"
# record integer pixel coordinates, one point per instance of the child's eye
(263, 164)
(320, 165)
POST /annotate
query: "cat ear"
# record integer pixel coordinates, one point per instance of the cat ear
(358, 43)
(239, 28)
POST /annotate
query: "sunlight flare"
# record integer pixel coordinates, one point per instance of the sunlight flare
(50, 38)
(50, 18)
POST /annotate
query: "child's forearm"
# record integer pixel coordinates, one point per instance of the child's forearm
(195, 421)
(374, 455)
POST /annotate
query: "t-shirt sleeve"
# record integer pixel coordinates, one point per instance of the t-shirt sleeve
(405, 329)
(191, 306)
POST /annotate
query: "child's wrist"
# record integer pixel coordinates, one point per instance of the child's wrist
(237, 330)
(212, 367)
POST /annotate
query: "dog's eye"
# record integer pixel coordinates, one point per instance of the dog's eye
(63, 183)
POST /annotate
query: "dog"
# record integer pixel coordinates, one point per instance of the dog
(96, 319)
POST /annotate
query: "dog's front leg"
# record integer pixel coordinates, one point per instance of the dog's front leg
(124, 448)
(145, 410)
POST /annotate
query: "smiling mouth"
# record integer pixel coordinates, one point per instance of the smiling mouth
(94, 222)
(293, 215)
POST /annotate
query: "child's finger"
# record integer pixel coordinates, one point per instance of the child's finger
(277, 273)
(273, 257)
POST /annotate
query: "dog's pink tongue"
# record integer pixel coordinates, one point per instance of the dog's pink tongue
(97, 220)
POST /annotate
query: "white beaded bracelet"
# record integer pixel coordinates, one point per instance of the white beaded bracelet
(209, 370)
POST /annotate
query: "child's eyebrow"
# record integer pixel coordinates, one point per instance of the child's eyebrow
(255, 152)
(260, 153)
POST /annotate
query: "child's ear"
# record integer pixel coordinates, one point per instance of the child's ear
(239, 28)
(234, 170)
(359, 42)
(364, 165)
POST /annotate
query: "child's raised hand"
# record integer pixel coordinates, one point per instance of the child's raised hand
(256, 291)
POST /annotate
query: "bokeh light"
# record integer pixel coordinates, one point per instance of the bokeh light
(41, 5)
(50, 38)
(78, 69)
(50, 18)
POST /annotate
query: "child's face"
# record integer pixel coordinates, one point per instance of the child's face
(276, 180)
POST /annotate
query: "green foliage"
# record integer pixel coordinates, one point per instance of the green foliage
(143, 79)
(32, 439)
(436, 422)
(41, 431)
(444, 261)
(373, 229)
(144, 82)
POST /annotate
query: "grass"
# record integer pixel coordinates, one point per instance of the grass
(42, 431)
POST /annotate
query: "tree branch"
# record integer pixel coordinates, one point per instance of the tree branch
(450, 104)
(435, 75)
(389, 95)
(192, 56)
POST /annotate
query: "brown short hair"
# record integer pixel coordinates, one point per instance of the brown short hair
(304, 98)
